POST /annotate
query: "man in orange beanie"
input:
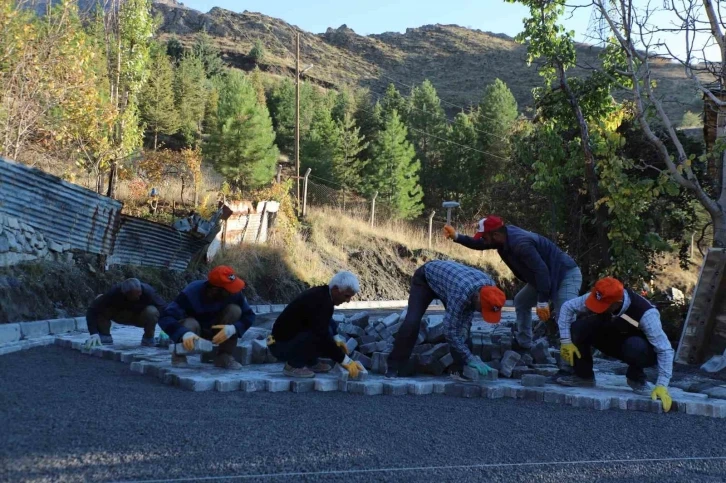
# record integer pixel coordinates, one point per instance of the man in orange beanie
(621, 324)
(214, 309)
(463, 290)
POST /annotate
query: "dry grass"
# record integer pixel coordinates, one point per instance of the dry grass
(335, 231)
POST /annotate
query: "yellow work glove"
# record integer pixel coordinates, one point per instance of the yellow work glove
(188, 340)
(270, 340)
(341, 343)
(543, 311)
(353, 367)
(449, 232)
(568, 351)
(661, 392)
(225, 332)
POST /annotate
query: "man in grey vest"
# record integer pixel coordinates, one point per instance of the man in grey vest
(621, 324)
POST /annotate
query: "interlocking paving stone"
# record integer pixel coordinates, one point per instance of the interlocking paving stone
(611, 392)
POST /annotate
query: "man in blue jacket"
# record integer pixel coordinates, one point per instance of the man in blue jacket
(550, 274)
(214, 309)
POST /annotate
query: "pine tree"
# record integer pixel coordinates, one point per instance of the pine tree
(175, 50)
(190, 87)
(390, 102)
(427, 125)
(205, 50)
(257, 82)
(157, 97)
(344, 103)
(495, 119)
(347, 165)
(281, 104)
(317, 148)
(242, 145)
(257, 52)
(394, 170)
(460, 162)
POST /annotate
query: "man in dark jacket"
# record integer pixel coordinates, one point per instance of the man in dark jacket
(214, 309)
(621, 324)
(130, 303)
(550, 274)
(305, 331)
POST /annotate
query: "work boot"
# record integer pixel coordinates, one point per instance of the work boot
(576, 381)
(321, 367)
(226, 361)
(639, 386)
(147, 342)
(391, 373)
(106, 339)
(179, 361)
(297, 371)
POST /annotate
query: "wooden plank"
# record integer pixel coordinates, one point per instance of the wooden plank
(708, 295)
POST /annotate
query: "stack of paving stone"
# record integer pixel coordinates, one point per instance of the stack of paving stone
(495, 348)
(370, 341)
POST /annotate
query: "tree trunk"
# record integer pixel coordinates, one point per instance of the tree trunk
(719, 230)
(156, 135)
(590, 174)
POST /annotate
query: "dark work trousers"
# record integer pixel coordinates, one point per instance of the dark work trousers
(419, 299)
(627, 344)
(302, 350)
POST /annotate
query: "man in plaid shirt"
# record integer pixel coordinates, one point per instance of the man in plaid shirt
(462, 290)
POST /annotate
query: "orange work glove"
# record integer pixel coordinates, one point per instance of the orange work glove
(450, 232)
(543, 311)
(225, 332)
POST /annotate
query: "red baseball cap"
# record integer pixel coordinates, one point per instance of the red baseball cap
(606, 292)
(492, 300)
(224, 277)
(488, 223)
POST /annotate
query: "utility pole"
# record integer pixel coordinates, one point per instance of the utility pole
(297, 119)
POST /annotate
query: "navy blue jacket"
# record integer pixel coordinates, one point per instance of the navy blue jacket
(191, 303)
(532, 258)
(114, 300)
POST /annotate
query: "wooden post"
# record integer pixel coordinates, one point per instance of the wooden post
(279, 173)
(373, 208)
(297, 119)
(431, 225)
(305, 193)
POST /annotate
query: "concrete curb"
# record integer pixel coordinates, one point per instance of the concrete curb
(268, 377)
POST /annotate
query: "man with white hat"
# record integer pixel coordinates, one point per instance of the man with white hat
(550, 274)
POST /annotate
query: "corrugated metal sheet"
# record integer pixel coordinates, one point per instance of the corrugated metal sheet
(145, 243)
(65, 212)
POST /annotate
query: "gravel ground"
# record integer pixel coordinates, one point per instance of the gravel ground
(68, 417)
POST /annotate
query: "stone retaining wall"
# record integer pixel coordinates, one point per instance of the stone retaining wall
(20, 242)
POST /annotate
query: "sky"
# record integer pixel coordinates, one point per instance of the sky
(378, 16)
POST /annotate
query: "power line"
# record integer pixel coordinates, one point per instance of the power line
(446, 140)
(450, 121)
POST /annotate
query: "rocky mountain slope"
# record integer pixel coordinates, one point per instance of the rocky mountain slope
(459, 61)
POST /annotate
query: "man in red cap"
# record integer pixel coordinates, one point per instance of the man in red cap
(463, 290)
(621, 324)
(550, 274)
(214, 309)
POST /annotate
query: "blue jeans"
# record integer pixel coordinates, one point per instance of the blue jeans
(526, 299)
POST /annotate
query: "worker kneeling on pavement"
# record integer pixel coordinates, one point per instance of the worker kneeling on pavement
(621, 324)
(305, 330)
(129, 303)
(214, 309)
(462, 290)
(550, 274)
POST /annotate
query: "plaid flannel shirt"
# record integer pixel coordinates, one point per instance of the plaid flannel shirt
(455, 285)
(650, 324)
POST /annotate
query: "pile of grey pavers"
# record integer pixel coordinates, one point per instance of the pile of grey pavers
(370, 341)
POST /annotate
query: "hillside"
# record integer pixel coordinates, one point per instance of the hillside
(459, 61)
